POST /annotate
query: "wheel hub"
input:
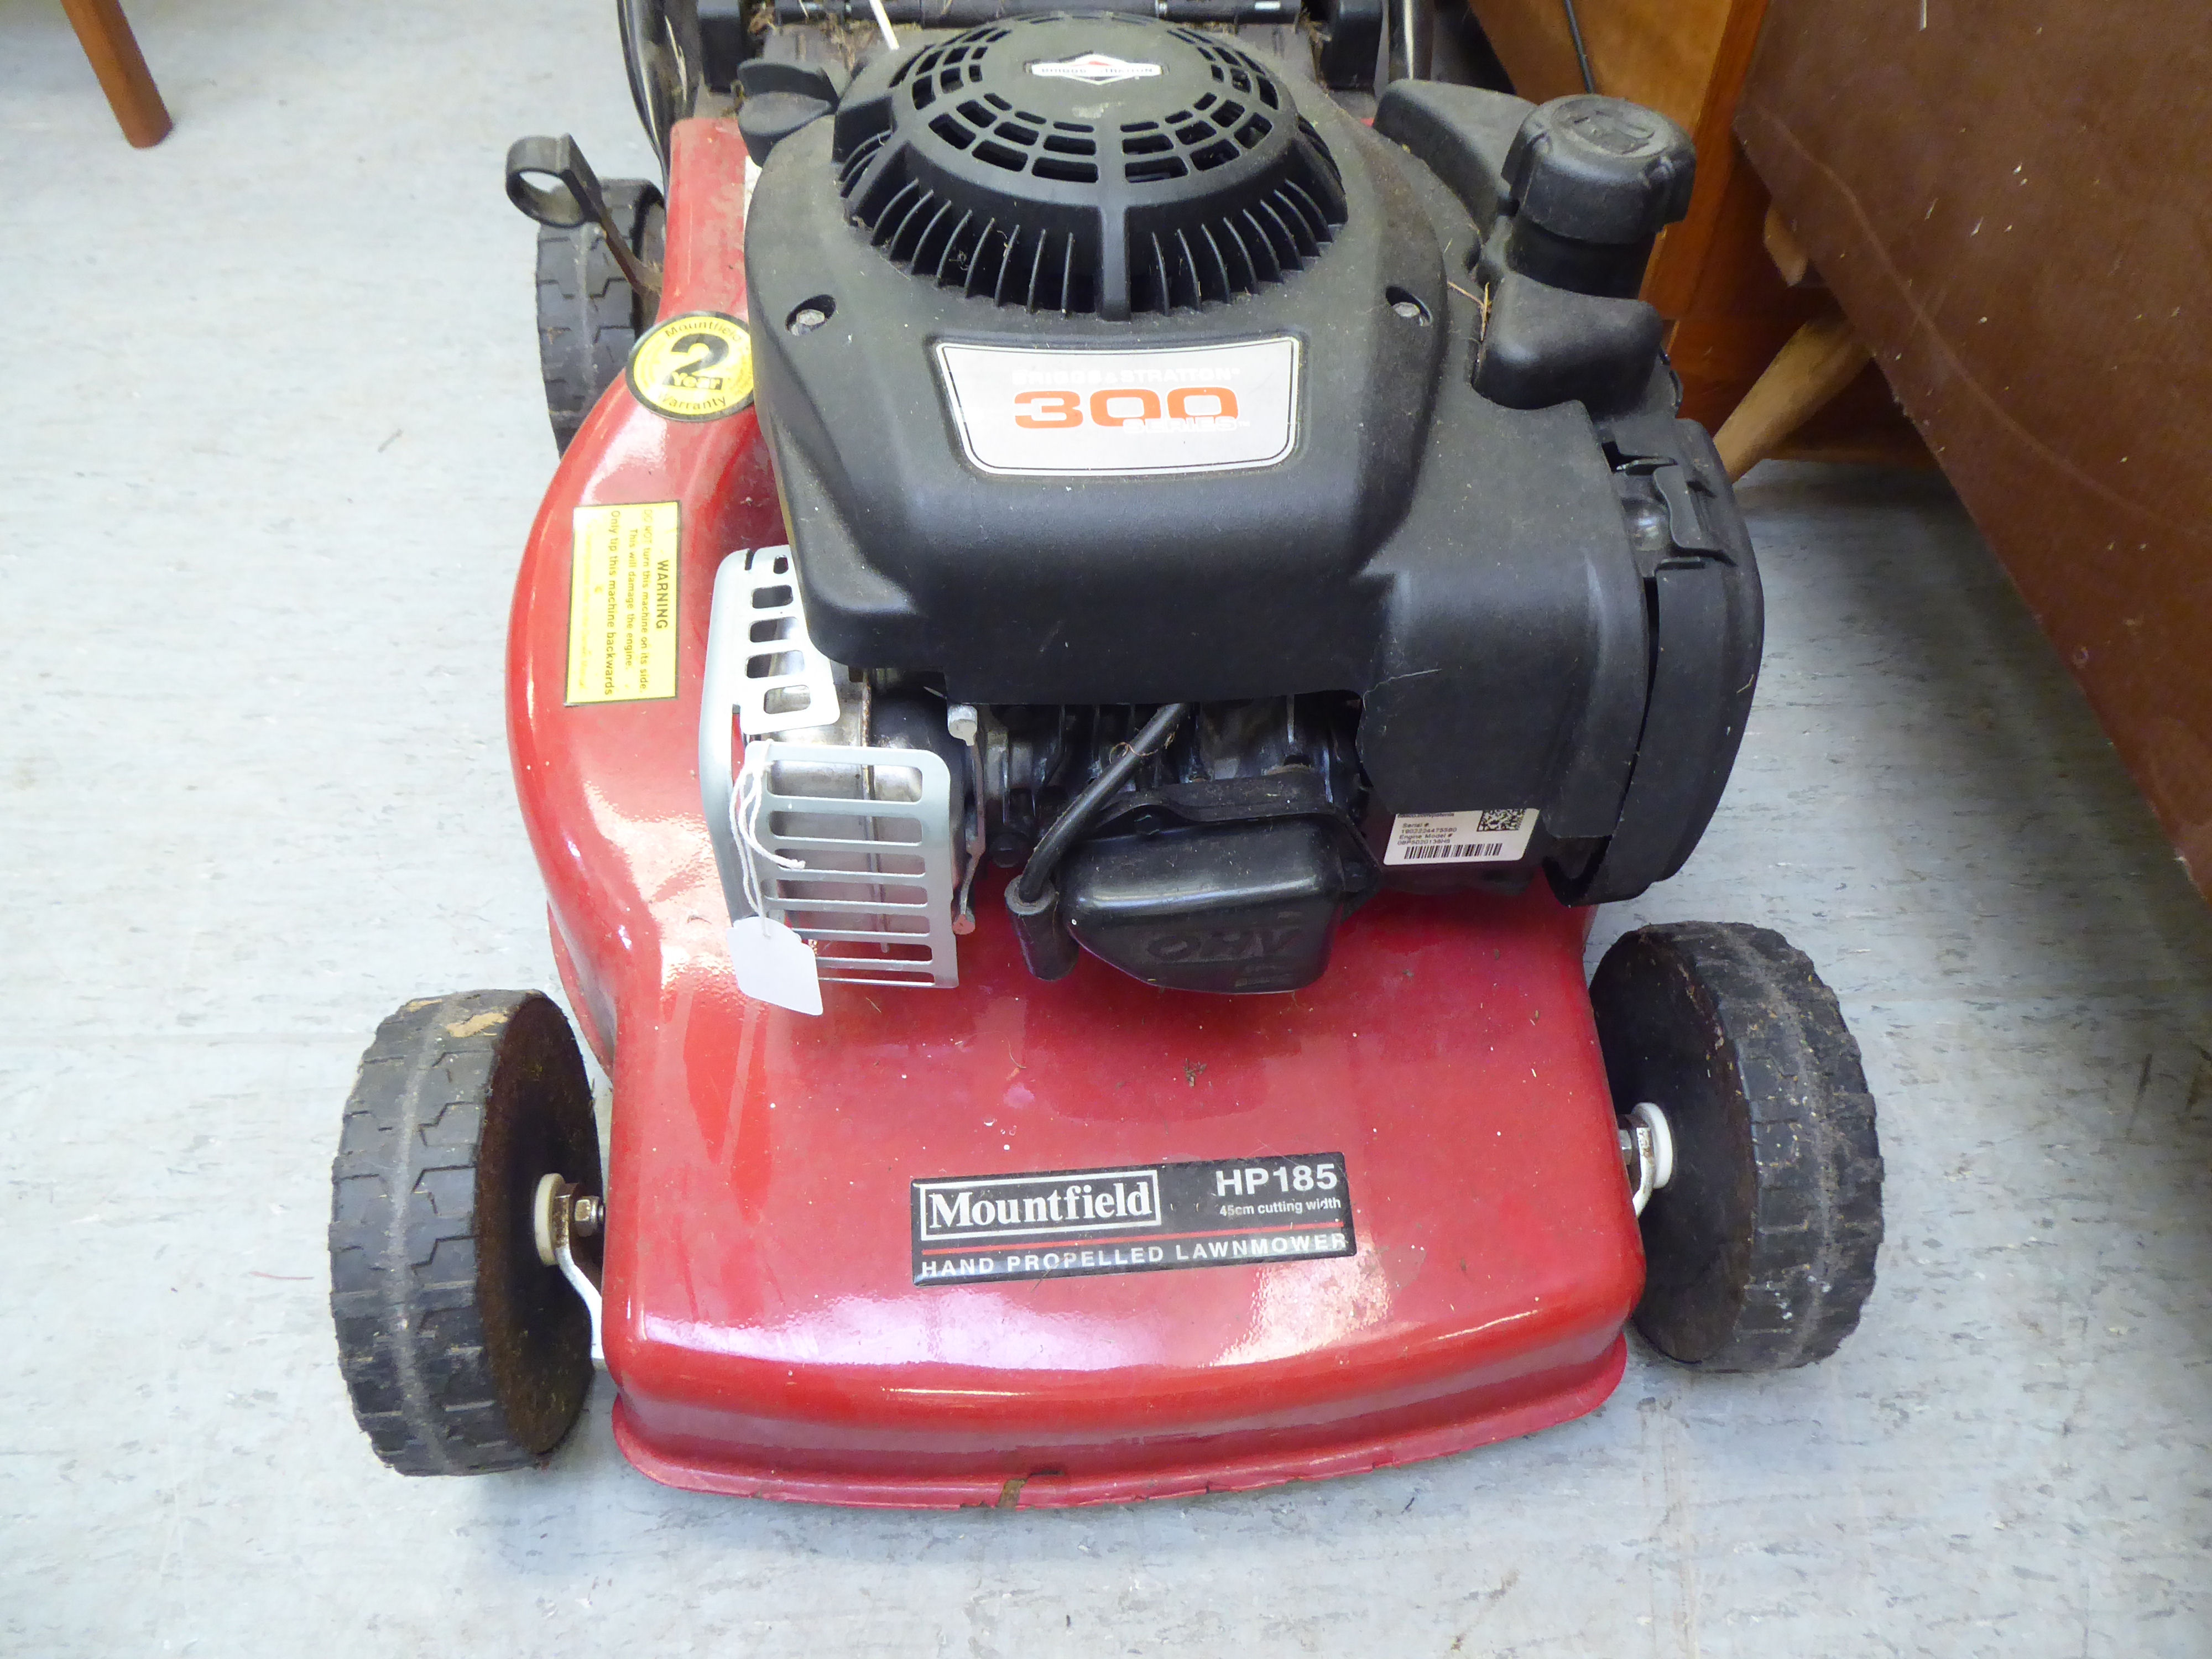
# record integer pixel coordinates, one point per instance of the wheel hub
(1647, 1152)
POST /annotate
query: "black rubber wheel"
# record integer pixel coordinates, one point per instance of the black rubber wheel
(1761, 1252)
(588, 315)
(462, 1351)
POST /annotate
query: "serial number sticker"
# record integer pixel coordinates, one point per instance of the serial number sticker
(623, 575)
(1070, 1223)
(1499, 836)
(1192, 409)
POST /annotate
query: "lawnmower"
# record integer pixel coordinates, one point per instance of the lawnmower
(1119, 585)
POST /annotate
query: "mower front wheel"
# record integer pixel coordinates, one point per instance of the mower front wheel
(1759, 1248)
(588, 315)
(462, 1351)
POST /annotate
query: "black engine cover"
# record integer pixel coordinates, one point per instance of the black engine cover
(1328, 504)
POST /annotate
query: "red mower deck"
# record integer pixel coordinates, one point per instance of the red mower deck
(761, 1320)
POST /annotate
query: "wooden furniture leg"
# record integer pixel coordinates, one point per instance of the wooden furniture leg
(1818, 361)
(1787, 252)
(104, 33)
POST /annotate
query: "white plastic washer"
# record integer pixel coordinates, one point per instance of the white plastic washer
(1662, 1142)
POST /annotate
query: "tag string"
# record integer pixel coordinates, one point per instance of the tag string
(745, 804)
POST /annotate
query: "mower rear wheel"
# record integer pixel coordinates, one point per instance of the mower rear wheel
(1759, 1251)
(588, 315)
(462, 1352)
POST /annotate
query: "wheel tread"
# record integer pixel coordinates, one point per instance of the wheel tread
(406, 1259)
(588, 316)
(1818, 1224)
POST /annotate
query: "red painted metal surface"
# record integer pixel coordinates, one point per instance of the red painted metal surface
(761, 1323)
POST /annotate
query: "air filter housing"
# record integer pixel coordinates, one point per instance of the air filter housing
(1105, 164)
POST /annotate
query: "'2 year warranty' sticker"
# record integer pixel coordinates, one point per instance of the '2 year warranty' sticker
(698, 367)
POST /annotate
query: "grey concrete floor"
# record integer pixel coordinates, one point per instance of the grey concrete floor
(269, 442)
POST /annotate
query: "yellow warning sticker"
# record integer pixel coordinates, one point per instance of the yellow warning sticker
(694, 368)
(622, 609)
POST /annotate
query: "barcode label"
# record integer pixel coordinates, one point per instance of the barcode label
(1492, 836)
(1474, 850)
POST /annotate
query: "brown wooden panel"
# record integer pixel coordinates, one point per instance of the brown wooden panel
(1723, 196)
(1710, 274)
(1660, 54)
(2011, 205)
(1530, 39)
(1864, 425)
(1688, 60)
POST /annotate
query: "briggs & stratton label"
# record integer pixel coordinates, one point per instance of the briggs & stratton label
(1071, 1224)
(1195, 409)
(1482, 837)
(1097, 69)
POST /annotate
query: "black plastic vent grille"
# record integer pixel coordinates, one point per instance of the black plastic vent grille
(990, 127)
(1239, 253)
(1180, 176)
(983, 255)
(1215, 129)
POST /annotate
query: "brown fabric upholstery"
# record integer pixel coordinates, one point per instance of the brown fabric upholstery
(2014, 205)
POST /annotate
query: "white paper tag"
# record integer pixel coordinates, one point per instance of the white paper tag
(1184, 409)
(773, 965)
(1479, 837)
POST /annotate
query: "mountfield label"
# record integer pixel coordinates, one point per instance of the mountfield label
(1065, 1223)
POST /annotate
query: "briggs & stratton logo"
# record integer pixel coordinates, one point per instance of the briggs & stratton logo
(1095, 69)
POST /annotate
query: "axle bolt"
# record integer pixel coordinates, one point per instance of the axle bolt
(584, 1220)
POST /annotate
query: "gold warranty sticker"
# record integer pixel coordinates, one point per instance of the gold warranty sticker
(694, 367)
